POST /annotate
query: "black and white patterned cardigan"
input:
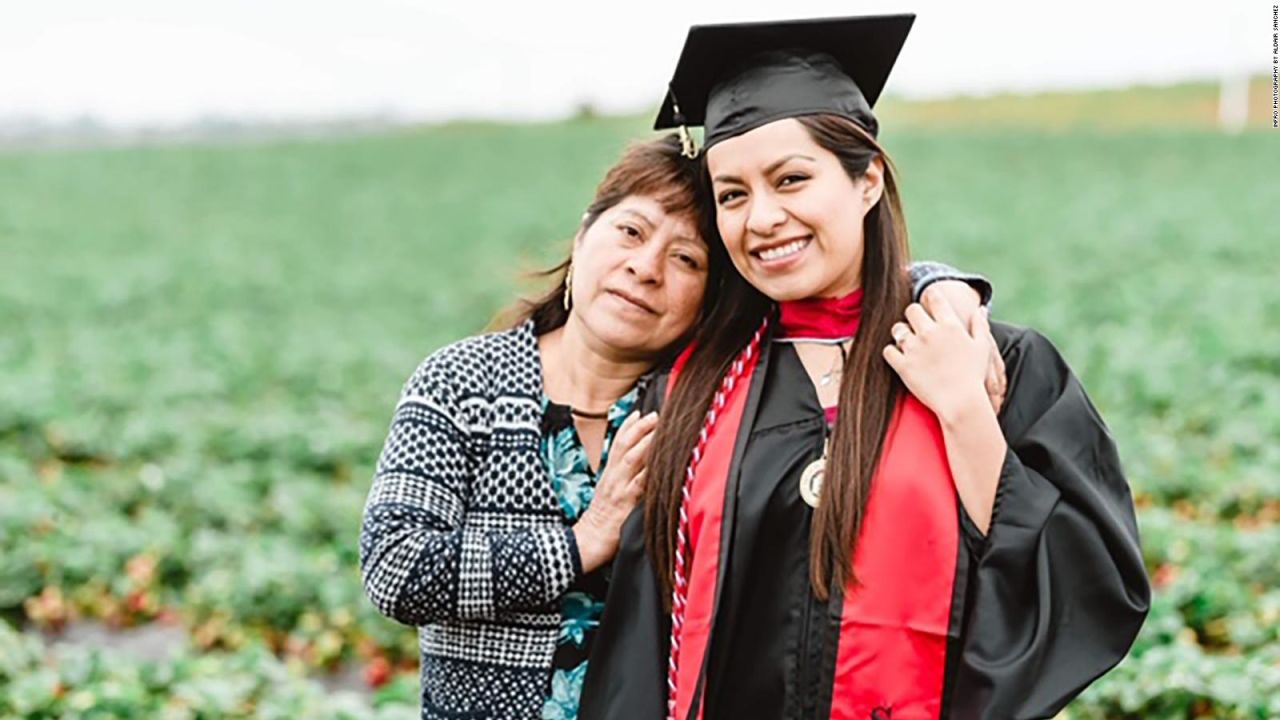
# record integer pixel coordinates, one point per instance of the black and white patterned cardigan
(462, 534)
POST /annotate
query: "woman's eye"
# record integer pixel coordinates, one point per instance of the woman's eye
(791, 179)
(688, 260)
(729, 196)
(630, 231)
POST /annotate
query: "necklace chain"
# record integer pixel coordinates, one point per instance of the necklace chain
(837, 367)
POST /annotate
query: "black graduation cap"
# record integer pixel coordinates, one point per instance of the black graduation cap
(735, 77)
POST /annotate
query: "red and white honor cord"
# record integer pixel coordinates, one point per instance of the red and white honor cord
(680, 583)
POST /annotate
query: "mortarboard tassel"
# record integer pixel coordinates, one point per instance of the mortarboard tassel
(687, 148)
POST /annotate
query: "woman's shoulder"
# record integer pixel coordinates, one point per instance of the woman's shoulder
(652, 389)
(505, 359)
(1039, 379)
(1020, 343)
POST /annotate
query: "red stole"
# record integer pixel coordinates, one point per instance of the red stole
(891, 653)
(893, 626)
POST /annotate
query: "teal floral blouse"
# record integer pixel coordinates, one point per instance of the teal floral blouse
(581, 605)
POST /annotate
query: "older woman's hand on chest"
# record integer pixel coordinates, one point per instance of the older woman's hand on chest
(620, 487)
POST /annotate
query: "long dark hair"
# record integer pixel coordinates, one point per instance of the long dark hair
(652, 168)
(868, 391)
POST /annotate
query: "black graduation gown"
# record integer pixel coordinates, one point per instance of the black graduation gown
(1049, 600)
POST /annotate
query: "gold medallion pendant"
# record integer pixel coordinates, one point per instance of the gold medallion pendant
(812, 476)
(811, 481)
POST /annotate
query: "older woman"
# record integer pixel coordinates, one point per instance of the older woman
(514, 457)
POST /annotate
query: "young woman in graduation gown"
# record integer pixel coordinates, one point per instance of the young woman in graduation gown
(837, 523)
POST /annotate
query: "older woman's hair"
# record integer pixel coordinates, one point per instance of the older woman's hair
(654, 169)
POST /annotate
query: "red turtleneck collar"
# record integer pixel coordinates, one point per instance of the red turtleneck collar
(820, 318)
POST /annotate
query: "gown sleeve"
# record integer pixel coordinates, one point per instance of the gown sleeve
(1058, 587)
(626, 677)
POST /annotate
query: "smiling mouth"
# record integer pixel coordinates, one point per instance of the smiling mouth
(778, 252)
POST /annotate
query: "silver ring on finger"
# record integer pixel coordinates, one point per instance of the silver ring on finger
(900, 335)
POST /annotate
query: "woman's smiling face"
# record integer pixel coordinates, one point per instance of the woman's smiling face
(788, 212)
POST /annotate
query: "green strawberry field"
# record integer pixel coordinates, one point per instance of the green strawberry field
(200, 350)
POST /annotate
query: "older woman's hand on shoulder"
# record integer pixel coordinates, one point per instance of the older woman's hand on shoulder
(944, 360)
(619, 489)
(966, 304)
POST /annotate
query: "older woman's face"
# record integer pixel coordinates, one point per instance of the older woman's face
(789, 215)
(639, 274)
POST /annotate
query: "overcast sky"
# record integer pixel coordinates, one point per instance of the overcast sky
(167, 61)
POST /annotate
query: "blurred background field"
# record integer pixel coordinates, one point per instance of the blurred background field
(201, 346)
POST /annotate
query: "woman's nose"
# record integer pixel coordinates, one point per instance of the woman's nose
(645, 262)
(765, 214)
